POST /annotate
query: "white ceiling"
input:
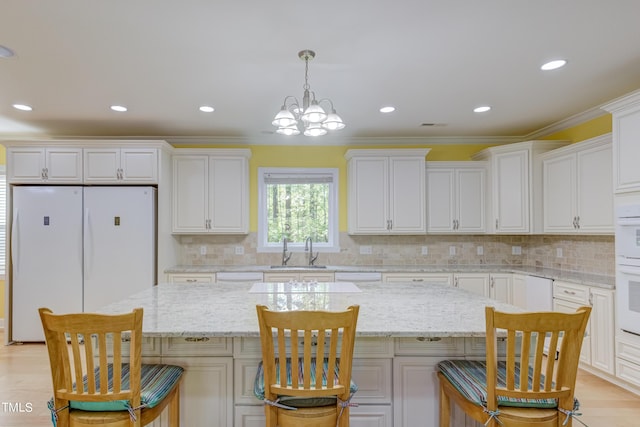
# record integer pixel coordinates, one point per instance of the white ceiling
(433, 60)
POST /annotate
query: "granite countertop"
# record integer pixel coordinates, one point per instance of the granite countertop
(386, 309)
(602, 281)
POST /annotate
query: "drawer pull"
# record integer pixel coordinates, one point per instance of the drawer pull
(429, 339)
(418, 280)
(198, 339)
(192, 280)
(569, 292)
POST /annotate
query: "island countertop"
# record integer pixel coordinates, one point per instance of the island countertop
(386, 309)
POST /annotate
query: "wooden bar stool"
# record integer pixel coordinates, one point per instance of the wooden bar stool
(304, 378)
(104, 386)
(528, 389)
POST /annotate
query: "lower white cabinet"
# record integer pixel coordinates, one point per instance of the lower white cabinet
(501, 287)
(206, 396)
(442, 278)
(628, 358)
(598, 349)
(478, 283)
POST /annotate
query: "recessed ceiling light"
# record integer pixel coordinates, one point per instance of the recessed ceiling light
(22, 107)
(481, 109)
(388, 109)
(5, 52)
(207, 109)
(119, 108)
(552, 65)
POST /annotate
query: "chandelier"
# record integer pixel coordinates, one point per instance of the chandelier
(313, 118)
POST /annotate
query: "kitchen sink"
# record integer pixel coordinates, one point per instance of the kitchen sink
(297, 267)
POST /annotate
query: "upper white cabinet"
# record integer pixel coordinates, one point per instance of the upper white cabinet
(118, 165)
(578, 188)
(386, 191)
(51, 165)
(515, 186)
(456, 197)
(211, 191)
(626, 141)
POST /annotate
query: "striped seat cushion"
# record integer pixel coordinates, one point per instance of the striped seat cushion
(301, 402)
(156, 381)
(469, 377)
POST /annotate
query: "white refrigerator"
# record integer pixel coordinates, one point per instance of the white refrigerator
(77, 249)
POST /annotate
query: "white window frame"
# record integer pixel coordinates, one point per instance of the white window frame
(333, 233)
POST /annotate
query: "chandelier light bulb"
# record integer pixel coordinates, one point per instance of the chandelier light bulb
(289, 130)
(284, 118)
(314, 129)
(333, 122)
(314, 114)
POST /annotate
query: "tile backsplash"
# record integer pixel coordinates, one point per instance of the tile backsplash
(589, 254)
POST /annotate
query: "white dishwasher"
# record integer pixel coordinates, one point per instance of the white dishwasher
(539, 293)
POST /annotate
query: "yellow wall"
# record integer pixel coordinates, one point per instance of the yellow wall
(586, 130)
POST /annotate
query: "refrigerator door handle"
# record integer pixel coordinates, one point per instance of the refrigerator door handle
(88, 255)
(15, 248)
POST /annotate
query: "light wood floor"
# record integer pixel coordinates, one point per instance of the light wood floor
(25, 382)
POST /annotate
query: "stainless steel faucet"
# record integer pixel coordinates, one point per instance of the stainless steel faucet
(308, 246)
(285, 256)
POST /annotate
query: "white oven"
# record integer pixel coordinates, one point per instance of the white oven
(628, 267)
(628, 231)
(628, 295)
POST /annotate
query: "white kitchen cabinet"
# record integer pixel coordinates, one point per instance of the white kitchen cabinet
(191, 278)
(478, 283)
(121, 165)
(628, 358)
(501, 287)
(50, 165)
(598, 346)
(515, 186)
(302, 276)
(386, 191)
(206, 394)
(519, 290)
(578, 188)
(456, 197)
(417, 277)
(416, 377)
(211, 191)
(626, 141)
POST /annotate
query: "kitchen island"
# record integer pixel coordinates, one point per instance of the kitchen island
(403, 330)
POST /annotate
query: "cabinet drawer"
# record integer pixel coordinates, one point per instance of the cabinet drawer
(192, 278)
(628, 371)
(628, 348)
(422, 346)
(373, 347)
(150, 346)
(571, 292)
(197, 346)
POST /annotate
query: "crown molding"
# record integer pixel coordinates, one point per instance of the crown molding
(567, 123)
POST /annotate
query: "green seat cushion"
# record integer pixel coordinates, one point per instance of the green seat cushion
(469, 377)
(301, 402)
(156, 381)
